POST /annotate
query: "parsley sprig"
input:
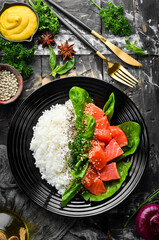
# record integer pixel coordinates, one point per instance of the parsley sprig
(47, 17)
(17, 56)
(114, 20)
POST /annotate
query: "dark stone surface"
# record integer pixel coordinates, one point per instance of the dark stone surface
(144, 16)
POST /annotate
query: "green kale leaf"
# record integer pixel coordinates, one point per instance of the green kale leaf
(47, 17)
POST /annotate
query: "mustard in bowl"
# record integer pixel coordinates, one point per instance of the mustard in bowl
(18, 22)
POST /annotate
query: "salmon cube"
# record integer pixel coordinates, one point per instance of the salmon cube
(97, 187)
(97, 157)
(109, 172)
(94, 111)
(90, 176)
(119, 136)
(102, 123)
(112, 150)
(103, 135)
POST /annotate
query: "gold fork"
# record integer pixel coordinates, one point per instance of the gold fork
(115, 70)
(118, 72)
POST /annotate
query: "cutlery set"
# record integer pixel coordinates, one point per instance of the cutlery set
(114, 70)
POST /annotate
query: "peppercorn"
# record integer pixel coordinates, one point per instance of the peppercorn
(8, 85)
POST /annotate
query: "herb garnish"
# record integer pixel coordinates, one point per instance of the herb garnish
(59, 69)
(47, 17)
(17, 56)
(137, 50)
(114, 20)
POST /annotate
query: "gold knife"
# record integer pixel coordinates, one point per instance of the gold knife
(120, 53)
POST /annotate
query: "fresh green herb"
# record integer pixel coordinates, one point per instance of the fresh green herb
(80, 146)
(147, 200)
(112, 187)
(108, 108)
(71, 191)
(59, 69)
(134, 48)
(114, 20)
(132, 131)
(17, 56)
(47, 17)
(79, 98)
(52, 59)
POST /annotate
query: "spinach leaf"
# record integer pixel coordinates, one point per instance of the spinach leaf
(108, 108)
(66, 67)
(71, 191)
(111, 187)
(90, 127)
(79, 98)
(81, 170)
(53, 73)
(134, 48)
(132, 130)
(59, 69)
(52, 59)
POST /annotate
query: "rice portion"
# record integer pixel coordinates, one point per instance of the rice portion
(50, 144)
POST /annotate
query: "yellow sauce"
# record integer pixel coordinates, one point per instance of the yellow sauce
(18, 23)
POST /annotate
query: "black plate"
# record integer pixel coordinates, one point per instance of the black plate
(22, 163)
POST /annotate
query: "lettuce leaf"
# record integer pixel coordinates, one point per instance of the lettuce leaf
(108, 108)
(79, 97)
(71, 191)
(132, 130)
(111, 186)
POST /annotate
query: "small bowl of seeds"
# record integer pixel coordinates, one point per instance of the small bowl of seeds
(11, 84)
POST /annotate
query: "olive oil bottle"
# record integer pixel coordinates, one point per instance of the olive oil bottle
(12, 227)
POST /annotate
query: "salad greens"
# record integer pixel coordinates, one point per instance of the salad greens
(79, 98)
(71, 191)
(108, 108)
(80, 146)
(59, 69)
(132, 131)
(47, 17)
(114, 20)
(112, 186)
(17, 56)
(133, 47)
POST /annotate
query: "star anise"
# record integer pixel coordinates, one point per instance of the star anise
(66, 50)
(47, 39)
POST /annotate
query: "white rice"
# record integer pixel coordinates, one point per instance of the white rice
(49, 144)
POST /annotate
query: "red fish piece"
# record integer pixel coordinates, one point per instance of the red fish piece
(102, 123)
(119, 136)
(97, 156)
(90, 176)
(103, 135)
(97, 187)
(109, 172)
(112, 150)
(94, 111)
